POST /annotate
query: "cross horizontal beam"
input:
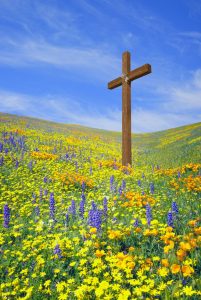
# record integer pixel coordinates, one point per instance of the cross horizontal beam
(135, 74)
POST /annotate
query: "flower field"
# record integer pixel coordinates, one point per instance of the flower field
(75, 224)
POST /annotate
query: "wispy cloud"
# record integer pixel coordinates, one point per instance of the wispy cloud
(182, 96)
(70, 110)
(91, 61)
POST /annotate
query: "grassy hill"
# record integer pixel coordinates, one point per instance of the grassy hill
(171, 147)
(76, 224)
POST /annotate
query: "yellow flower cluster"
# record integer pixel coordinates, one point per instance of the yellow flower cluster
(43, 155)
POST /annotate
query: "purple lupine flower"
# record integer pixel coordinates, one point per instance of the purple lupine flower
(105, 208)
(114, 220)
(179, 174)
(37, 210)
(6, 150)
(52, 206)
(94, 206)
(76, 166)
(139, 182)
(90, 171)
(123, 184)
(45, 179)
(57, 251)
(152, 188)
(111, 182)
(143, 193)
(67, 218)
(54, 150)
(143, 176)
(72, 208)
(148, 214)
(82, 204)
(175, 209)
(6, 215)
(83, 186)
(136, 223)
(115, 167)
(30, 165)
(45, 192)
(170, 219)
(41, 194)
(34, 198)
(184, 282)
(1, 147)
(17, 164)
(1, 161)
(120, 190)
(95, 218)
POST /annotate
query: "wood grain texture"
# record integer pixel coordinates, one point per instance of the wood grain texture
(139, 72)
(125, 80)
(115, 83)
(126, 112)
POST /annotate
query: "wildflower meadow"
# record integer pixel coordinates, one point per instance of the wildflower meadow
(76, 224)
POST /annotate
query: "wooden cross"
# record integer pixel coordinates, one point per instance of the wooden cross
(125, 81)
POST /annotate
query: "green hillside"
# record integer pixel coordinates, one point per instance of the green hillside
(75, 224)
(171, 147)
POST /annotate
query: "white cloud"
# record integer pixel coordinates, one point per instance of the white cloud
(90, 62)
(68, 110)
(182, 96)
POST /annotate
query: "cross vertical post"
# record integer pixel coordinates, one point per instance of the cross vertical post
(125, 80)
(126, 111)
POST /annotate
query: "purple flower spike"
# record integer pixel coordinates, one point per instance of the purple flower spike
(152, 188)
(57, 251)
(175, 209)
(6, 214)
(83, 186)
(52, 206)
(72, 208)
(148, 214)
(82, 204)
(95, 217)
(170, 219)
(123, 184)
(112, 187)
(105, 208)
(136, 223)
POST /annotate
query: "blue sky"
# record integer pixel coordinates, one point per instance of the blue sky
(56, 58)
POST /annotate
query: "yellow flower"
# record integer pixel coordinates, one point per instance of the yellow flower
(185, 246)
(162, 286)
(42, 274)
(56, 271)
(165, 262)
(124, 294)
(100, 253)
(175, 268)
(188, 291)
(104, 285)
(181, 254)
(47, 283)
(60, 286)
(93, 230)
(187, 270)
(163, 272)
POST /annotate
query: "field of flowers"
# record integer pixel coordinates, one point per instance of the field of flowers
(75, 224)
